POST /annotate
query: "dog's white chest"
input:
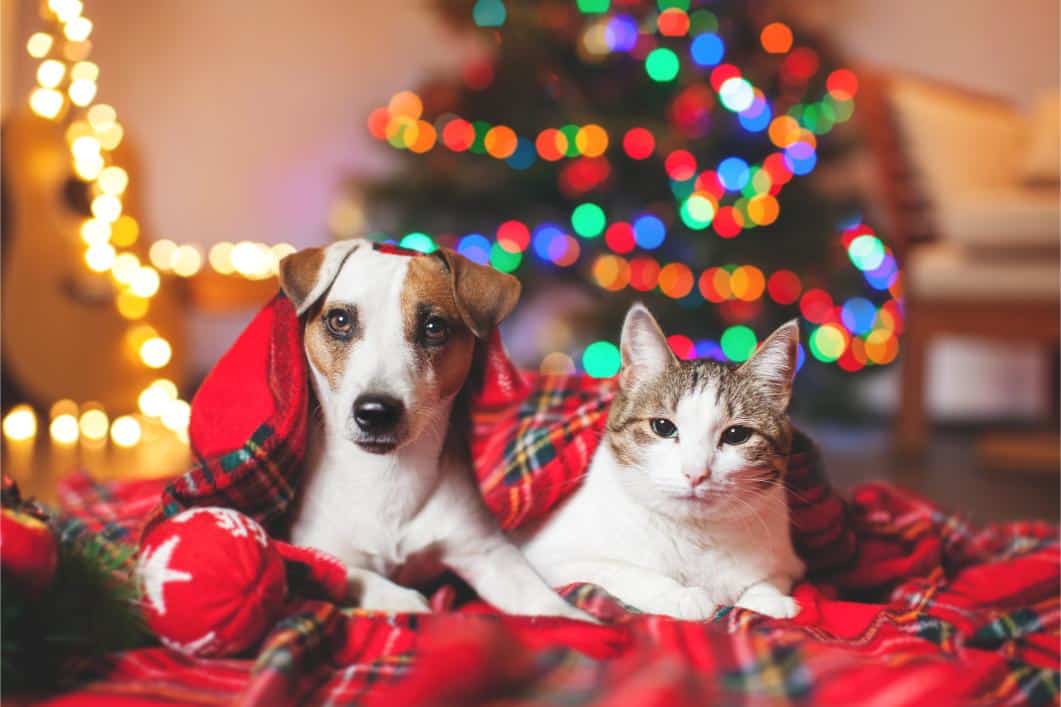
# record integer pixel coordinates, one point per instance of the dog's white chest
(361, 507)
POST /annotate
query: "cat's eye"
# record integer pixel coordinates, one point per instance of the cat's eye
(436, 331)
(339, 323)
(663, 427)
(737, 434)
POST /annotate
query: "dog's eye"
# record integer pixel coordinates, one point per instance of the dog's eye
(339, 323)
(436, 330)
(663, 427)
(736, 434)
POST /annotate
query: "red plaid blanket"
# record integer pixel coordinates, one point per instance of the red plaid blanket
(905, 604)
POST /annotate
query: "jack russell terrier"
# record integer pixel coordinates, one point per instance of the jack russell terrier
(389, 488)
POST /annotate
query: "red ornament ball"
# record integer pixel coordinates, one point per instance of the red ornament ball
(212, 582)
(28, 550)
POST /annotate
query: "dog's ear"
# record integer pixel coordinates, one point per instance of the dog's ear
(306, 275)
(484, 296)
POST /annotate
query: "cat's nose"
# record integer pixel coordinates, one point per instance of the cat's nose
(697, 479)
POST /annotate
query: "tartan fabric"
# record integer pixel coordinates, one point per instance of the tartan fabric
(905, 604)
(934, 611)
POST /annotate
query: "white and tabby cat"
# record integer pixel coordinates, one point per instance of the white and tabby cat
(683, 508)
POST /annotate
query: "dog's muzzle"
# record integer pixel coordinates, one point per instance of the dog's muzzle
(379, 418)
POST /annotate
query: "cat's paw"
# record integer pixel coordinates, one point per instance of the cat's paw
(688, 603)
(774, 605)
(375, 593)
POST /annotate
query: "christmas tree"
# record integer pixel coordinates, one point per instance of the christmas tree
(674, 152)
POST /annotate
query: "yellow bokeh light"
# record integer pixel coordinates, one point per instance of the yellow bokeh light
(125, 268)
(125, 231)
(132, 307)
(78, 128)
(94, 424)
(251, 259)
(95, 232)
(100, 257)
(20, 423)
(66, 406)
(126, 431)
(107, 207)
(65, 10)
(85, 146)
(89, 168)
(101, 116)
(161, 253)
(145, 282)
(155, 352)
(186, 261)
(78, 29)
(113, 180)
(154, 398)
(50, 73)
(64, 429)
(39, 44)
(85, 71)
(176, 415)
(81, 92)
(406, 103)
(46, 102)
(220, 258)
(111, 136)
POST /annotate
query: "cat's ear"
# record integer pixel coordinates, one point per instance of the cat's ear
(774, 363)
(645, 352)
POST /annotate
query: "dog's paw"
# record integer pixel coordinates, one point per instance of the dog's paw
(774, 605)
(687, 603)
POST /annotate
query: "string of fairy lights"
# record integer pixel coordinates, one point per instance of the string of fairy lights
(66, 91)
(729, 197)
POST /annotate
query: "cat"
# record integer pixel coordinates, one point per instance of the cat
(683, 507)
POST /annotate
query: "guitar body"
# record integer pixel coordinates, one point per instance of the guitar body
(63, 336)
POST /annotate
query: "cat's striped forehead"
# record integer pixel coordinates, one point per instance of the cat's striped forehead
(724, 394)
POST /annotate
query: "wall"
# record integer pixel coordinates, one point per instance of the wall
(247, 115)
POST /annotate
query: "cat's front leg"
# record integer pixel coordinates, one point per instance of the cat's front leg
(770, 597)
(643, 589)
(377, 593)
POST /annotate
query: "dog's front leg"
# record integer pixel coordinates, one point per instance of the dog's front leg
(375, 592)
(501, 575)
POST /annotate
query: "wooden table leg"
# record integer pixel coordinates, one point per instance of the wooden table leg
(911, 422)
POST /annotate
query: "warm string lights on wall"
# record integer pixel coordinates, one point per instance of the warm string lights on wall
(66, 90)
(724, 199)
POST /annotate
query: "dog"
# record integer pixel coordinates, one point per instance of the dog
(388, 487)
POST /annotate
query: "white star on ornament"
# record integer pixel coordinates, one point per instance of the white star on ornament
(155, 573)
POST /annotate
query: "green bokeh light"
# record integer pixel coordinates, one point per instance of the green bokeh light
(588, 220)
(503, 260)
(601, 359)
(697, 212)
(662, 65)
(738, 343)
(593, 7)
(866, 252)
(827, 343)
(418, 241)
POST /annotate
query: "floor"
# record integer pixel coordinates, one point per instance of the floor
(949, 473)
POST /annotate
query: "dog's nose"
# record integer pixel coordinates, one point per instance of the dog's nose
(376, 414)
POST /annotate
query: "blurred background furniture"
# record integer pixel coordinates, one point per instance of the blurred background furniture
(970, 185)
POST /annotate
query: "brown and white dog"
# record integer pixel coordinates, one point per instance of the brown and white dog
(389, 488)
